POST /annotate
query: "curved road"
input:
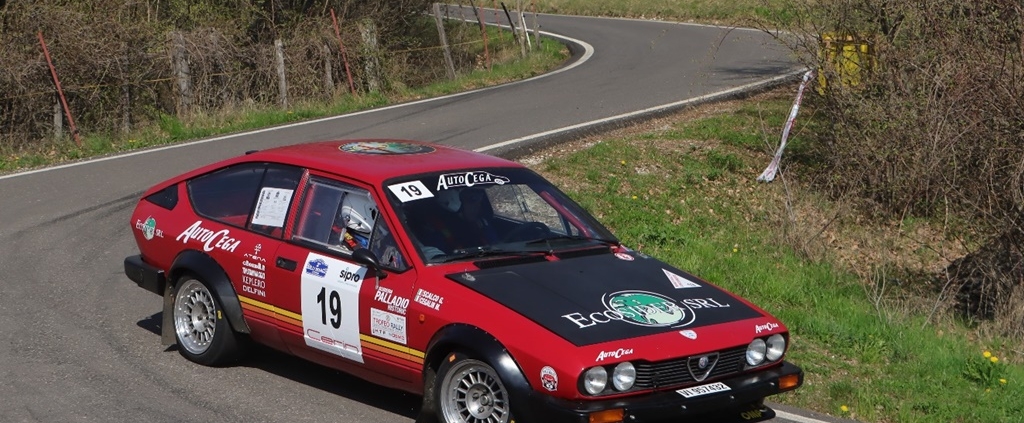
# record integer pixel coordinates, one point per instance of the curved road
(79, 342)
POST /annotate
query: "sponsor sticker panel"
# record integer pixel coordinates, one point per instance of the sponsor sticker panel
(330, 305)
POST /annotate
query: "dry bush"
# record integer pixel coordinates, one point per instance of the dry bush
(931, 125)
(120, 63)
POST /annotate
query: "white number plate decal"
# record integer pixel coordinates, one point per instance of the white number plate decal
(696, 391)
(330, 305)
(412, 190)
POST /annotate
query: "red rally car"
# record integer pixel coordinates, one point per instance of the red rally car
(459, 276)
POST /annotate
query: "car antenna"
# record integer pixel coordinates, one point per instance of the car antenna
(250, 152)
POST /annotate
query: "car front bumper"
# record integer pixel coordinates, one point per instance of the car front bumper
(742, 403)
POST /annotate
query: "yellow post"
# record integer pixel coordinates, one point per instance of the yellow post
(845, 56)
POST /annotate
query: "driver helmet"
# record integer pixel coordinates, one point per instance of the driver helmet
(449, 199)
(358, 213)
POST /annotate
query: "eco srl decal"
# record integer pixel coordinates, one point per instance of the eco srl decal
(643, 308)
(148, 228)
(468, 179)
(211, 239)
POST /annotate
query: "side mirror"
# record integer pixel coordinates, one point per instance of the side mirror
(369, 259)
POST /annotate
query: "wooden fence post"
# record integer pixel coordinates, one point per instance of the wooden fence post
(328, 77)
(126, 95)
(182, 74)
(536, 28)
(483, 30)
(371, 54)
(58, 118)
(444, 42)
(282, 82)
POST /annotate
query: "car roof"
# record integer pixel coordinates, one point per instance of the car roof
(362, 159)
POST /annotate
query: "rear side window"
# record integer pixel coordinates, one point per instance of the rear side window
(227, 195)
(274, 200)
(166, 198)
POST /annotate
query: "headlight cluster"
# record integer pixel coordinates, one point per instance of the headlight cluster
(623, 376)
(762, 351)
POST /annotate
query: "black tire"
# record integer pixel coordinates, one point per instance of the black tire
(203, 333)
(467, 390)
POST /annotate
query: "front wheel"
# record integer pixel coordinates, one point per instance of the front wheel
(203, 334)
(470, 391)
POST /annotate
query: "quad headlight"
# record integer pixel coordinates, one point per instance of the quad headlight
(595, 380)
(756, 352)
(776, 347)
(624, 376)
(760, 351)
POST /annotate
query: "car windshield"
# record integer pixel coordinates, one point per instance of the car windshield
(474, 213)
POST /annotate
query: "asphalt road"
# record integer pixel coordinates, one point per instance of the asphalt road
(79, 342)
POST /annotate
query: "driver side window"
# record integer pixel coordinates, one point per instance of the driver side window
(336, 216)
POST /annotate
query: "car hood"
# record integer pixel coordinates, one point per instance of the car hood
(606, 297)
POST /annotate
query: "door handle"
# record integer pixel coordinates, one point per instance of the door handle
(286, 264)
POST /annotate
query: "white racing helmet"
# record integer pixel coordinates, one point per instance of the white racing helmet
(358, 212)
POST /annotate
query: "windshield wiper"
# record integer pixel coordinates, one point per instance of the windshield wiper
(572, 238)
(477, 252)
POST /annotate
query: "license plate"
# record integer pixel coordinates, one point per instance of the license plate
(696, 391)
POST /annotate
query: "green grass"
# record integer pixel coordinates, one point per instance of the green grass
(734, 12)
(169, 129)
(686, 194)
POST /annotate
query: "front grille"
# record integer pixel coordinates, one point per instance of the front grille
(674, 372)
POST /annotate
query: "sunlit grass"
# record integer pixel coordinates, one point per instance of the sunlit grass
(687, 194)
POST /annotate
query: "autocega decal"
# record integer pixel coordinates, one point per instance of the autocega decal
(468, 179)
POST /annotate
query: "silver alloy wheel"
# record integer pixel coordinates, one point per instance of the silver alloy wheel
(472, 392)
(195, 317)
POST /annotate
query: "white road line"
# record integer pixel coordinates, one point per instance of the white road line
(654, 109)
(797, 418)
(588, 53)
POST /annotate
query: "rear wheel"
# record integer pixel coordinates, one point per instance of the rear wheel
(470, 391)
(203, 334)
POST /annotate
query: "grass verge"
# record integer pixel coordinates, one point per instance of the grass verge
(724, 12)
(683, 189)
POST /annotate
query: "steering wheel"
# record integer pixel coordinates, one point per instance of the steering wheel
(527, 231)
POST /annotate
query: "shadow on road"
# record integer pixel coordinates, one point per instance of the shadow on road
(317, 376)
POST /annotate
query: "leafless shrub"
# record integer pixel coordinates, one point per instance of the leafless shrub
(928, 123)
(117, 60)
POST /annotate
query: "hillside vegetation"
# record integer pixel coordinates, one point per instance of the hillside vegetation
(147, 72)
(905, 174)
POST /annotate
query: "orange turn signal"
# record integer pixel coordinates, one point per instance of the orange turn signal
(788, 382)
(607, 416)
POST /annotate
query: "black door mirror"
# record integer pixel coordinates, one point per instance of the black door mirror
(369, 259)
